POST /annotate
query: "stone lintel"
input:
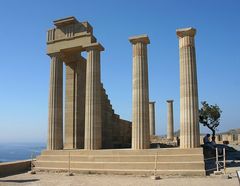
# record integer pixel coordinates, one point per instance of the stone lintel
(65, 21)
(170, 100)
(139, 39)
(72, 57)
(182, 32)
(94, 46)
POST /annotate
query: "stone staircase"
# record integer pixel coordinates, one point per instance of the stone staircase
(174, 161)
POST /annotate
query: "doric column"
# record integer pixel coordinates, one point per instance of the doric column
(80, 107)
(140, 112)
(75, 102)
(152, 118)
(55, 107)
(93, 125)
(189, 122)
(170, 128)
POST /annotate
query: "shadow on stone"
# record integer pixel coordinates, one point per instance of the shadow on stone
(19, 181)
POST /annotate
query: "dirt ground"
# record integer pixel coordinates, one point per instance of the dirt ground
(57, 179)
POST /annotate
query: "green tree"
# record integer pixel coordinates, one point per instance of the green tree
(209, 115)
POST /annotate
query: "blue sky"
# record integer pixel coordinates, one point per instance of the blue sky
(24, 72)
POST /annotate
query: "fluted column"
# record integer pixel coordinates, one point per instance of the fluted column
(152, 118)
(80, 107)
(189, 122)
(140, 108)
(170, 129)
(93, 125)
(75, 103)
(55, 107)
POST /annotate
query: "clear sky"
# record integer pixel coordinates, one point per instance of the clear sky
(24, 70)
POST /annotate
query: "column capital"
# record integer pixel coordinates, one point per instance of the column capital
(57, 54)
(170, 100)
(182, 32)
(139, 39)
(152, 102)
(94, 46)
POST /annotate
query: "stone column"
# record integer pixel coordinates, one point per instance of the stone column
(170, 121)
(140, 115)
(93, 125)
(75, 103)
(152, 118)
(189, 122)
(55, 107)
(80, 107)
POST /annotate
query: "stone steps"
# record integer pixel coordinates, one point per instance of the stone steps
(163, 151)
(180, 172)
(128, 171)
(122, 165)
(122, 158)
(124, 161)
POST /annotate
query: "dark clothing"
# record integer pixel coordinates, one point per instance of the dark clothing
(206, 140)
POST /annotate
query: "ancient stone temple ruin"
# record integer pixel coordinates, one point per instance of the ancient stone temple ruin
(93, 135)
(90, 121)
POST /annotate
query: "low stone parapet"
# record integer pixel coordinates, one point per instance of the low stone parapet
(16, 167)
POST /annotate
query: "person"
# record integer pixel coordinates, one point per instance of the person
(206, 139)
(213, 142)
(178, 141)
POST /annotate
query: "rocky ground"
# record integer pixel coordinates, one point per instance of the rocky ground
(53, 179)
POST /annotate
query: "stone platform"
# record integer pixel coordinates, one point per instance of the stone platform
(174, 161)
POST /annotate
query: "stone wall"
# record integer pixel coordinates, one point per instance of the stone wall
(116, 132)
(231, 138)
(16, 167)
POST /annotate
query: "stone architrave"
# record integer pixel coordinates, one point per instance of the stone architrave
(93, 121)
(55, 107)
(189, 122)
(140, 113)
(75, 102)
(170, 121)
(152, 118)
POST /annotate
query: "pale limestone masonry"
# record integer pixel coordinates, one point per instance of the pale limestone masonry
(225, 137)
(90, 121)
(75, 102)
(87, 107)
(55, 107)
(220, 138)
(140, 108)
(93, 119)
(189, 124)
(152, 118)
(170, 121)
(170, 161)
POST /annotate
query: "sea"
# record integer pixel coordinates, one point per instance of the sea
(20, 151)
